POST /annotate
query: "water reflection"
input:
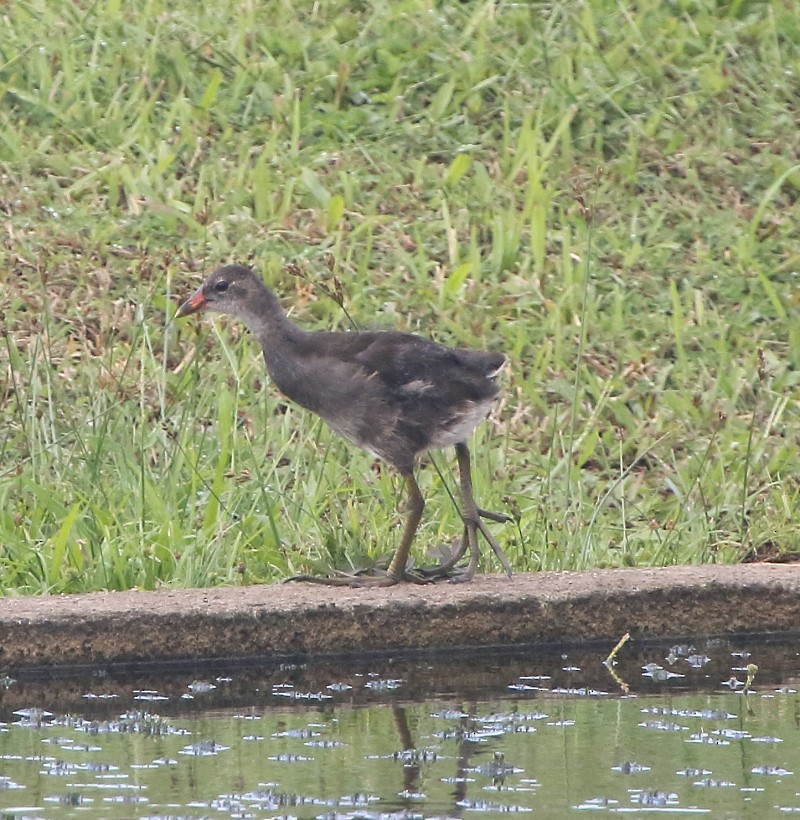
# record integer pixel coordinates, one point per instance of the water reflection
(553, 733)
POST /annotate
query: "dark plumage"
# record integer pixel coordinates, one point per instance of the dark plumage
(392, 394)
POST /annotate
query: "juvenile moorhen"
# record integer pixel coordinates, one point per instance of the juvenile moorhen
(393, 394)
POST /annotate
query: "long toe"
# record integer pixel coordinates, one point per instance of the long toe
(500, 518)
(496, 548)
(452, 575)
(443, 572)
(354, 580)
(448, 557)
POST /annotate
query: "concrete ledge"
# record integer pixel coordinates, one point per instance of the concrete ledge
(302, 620)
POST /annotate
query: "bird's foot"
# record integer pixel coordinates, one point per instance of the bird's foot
(448, 568)
(378, 574)
(362, 578)
(444, 572)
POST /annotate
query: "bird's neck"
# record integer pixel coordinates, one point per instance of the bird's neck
(266, 319)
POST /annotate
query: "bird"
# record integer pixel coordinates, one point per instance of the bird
(394, 394)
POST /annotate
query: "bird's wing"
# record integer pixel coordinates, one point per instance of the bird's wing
(408, 363)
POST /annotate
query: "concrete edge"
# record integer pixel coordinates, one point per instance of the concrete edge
(296, 621)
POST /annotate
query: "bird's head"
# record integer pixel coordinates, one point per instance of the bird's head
(228, 290)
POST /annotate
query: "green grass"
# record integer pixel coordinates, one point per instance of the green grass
(607, 192)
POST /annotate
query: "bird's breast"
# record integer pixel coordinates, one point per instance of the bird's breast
(459, 426)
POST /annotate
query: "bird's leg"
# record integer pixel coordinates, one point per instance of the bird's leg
(416, 504)
(472, 515)
(397, 567)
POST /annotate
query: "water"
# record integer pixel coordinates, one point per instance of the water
(550, 734)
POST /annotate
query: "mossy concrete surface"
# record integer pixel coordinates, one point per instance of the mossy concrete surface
(302, 620)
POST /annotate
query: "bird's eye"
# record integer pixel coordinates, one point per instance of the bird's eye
(221, 286)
